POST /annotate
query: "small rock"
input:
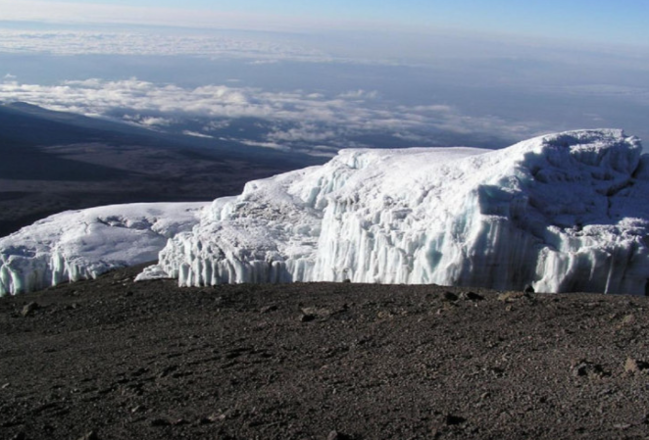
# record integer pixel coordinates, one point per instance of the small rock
(632, 366)
(179, 422)
(29, 309)
(138, 409)
(5, 386)
(628, 319)
(92, 435)
(306, 318)
(335, 435)
(451, 420)
(267, 309)
(213, 418)
(449, 296)
(20, 436)
(471, 296)
(585, 368)
(319, 312)
(510, 296)
(580, 369)
(528, 289)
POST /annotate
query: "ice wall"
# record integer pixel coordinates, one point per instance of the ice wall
(82, 244)
(562, 212)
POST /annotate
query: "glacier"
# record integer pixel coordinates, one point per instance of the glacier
(82, 244)
(562, 212)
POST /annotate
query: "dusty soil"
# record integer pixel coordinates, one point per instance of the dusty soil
(113, 359)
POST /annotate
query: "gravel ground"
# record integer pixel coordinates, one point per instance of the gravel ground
(113, 359)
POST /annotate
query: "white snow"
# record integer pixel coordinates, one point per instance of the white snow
(82, 244)
(563, 212)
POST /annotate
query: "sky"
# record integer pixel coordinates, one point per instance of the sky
(312, 77)
(619, 22)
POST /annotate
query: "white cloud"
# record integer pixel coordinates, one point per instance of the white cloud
(148, 121)
(271, 145)
(293, 116)
(197, 134)
(216, 125)
(359, 94)
(207, 44)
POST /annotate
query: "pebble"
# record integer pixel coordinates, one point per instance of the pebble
(92, 435)
(635, 366)
(510, 296)
(335, 435)
(320, 312)
(451, 420)
(267, 309)
(585, 368)
(29, 309)
(450, 296)
(628, 319)
(306, 318)
(471, 296)
(213, 418)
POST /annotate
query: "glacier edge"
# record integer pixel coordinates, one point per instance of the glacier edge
(83, 244)
(562, 212)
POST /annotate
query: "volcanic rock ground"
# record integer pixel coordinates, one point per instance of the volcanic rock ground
(114, 359)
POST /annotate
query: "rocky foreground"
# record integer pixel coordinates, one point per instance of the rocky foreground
(114, 359)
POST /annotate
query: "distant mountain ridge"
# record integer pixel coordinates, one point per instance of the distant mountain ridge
(54, 161)
(26, 124)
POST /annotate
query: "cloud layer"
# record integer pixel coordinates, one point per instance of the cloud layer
(148, 43)
(283, 118)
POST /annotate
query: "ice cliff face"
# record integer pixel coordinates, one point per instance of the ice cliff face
(83, 244)
(563, 212)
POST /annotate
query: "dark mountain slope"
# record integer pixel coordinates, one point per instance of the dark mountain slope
(54, 161)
